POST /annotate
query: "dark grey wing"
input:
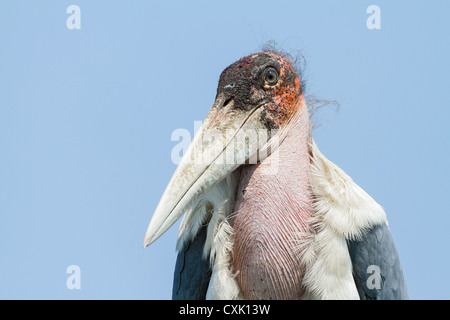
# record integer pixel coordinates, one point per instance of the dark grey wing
(192, 272)
(376, 266)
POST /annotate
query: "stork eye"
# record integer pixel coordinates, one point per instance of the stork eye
(271, 76)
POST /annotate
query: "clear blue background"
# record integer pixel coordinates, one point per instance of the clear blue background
(86, 118)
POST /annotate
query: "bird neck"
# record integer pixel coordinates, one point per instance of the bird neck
(287, 168)
(291, 160)
(272, 213)
(294, 148)
(289, 165)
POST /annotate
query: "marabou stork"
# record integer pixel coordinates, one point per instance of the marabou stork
(266, 215)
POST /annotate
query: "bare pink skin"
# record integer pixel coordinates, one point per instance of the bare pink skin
(273, 205)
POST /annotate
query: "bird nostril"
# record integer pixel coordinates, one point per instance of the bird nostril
(227, 101)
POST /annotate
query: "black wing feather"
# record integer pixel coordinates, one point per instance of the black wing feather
(192, 272)
(376, 253)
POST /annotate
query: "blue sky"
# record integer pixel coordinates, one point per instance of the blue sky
(86, 118)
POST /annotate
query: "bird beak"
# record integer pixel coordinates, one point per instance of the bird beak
(228, 138)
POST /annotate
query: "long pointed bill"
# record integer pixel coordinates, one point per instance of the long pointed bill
(228, 138)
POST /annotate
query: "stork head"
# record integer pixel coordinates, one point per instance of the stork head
(265, 80)
(256, 95)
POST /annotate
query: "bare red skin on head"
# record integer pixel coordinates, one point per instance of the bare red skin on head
(286, 94)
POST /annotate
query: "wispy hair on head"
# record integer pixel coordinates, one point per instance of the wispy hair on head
(298, 60)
